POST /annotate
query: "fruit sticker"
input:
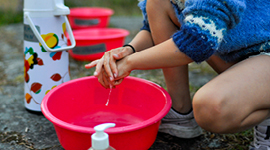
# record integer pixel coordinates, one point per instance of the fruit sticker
(64, 34)
(56, 55)
(30, 62)
(28, 98)
(36, 87)
(33, 58)
(52, 41)
(57, 77)
(50, 89)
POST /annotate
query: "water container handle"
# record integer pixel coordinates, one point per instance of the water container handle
(71, 36)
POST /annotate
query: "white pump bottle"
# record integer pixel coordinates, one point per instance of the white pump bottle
(100, 139)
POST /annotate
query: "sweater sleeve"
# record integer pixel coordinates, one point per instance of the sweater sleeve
(206, 23)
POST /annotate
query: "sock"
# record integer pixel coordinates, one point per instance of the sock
(174, 114)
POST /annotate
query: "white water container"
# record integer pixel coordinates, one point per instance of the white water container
(46, 60)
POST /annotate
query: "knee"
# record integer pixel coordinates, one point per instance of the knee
(210, 111)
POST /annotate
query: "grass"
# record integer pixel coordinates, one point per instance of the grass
(9, 17)
(120, 8)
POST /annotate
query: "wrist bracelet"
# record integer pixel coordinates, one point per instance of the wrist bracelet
(133, 49)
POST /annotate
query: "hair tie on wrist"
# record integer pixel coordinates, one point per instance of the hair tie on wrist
(133, 49)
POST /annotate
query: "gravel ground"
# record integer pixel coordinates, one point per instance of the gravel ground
(21, 130)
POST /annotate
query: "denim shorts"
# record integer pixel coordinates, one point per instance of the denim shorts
(261, 53)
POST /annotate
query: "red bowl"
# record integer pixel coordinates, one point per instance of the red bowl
(136, 106)
(89, 17)
(92, 43)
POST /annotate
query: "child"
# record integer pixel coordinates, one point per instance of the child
(233, 36)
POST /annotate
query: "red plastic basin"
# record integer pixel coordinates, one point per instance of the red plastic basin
(89, 17)
(136, 106)
(92, 43)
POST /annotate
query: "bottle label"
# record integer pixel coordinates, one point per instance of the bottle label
(88, 22)
(86, 50)
(29, 34)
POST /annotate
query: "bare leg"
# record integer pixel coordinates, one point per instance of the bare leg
(218, 64)
(163, 23)
(237, 99)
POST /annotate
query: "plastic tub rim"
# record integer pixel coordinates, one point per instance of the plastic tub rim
(122, 33)
(109, 12)
(129, 128)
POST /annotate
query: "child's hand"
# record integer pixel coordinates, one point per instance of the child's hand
(123, 70)
(107, 64)
(104, 79)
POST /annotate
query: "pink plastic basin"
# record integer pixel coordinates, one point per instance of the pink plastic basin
(136, 106)
(92, 43)
(89, 17)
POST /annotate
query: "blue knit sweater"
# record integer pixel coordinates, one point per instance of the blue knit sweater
(231, 29)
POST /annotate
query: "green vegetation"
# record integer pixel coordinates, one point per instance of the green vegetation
(9, 16)
(120, 8)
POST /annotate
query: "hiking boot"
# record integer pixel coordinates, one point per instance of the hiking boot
(182, 126)
(261, 139)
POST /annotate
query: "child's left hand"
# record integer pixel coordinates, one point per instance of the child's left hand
(123, 70)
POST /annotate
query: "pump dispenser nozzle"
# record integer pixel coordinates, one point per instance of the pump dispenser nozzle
(100, 139)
